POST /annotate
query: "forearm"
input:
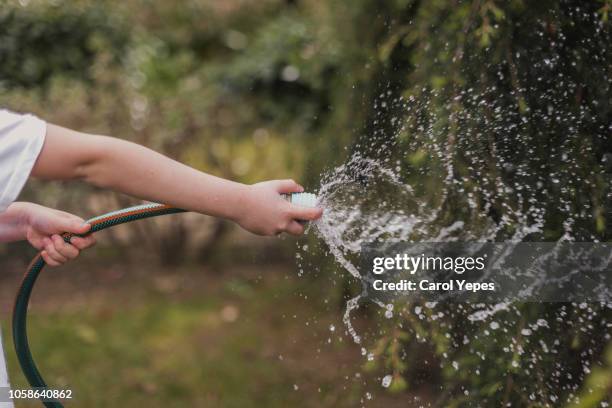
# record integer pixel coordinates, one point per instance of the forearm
(140, 172)
(13, 223)
(135, 170)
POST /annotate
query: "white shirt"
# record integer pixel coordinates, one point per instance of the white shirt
(21, 140)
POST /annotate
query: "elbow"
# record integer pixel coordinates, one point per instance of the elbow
(94, 167)
(93, 173)
(82, 172)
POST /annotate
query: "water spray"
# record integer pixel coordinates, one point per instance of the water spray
(19, 327)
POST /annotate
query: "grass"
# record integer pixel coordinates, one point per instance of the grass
(190, 339)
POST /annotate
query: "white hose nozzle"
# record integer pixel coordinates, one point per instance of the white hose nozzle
(302, 199)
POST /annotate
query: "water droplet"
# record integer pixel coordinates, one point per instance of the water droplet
(386, 381)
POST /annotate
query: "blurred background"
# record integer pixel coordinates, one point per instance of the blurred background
(189, 310)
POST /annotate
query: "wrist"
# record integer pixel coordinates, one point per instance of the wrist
(16, 221)
(241, 203)
(24, 213)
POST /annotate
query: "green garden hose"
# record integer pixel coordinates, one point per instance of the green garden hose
(20, 335)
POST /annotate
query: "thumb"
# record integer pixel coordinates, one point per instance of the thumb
(288, 186)
(73, 224)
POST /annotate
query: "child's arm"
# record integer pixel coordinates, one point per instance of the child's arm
(40, 226)
(135, 170)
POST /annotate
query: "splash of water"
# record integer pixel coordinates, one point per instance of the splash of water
(471, 162)
(364, 202)
(369, 200)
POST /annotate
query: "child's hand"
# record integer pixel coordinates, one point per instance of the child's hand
(266, 212)
(43, 226)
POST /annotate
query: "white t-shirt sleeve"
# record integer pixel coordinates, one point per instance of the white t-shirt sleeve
(21, 140)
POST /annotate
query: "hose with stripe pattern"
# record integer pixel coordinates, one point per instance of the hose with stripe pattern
(19, 327)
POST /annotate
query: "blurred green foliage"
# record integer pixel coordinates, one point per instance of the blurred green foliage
(37, 44)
